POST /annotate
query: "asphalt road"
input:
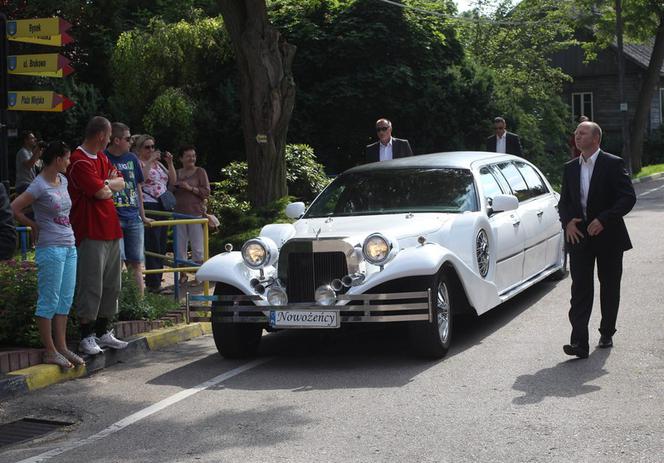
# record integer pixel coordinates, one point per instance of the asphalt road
(505, 392)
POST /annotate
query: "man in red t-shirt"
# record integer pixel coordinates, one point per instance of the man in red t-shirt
(92, 181)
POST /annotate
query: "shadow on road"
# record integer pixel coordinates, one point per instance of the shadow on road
(367, 356)
(567, 379)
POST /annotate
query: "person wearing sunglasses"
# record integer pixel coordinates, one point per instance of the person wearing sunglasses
(129, 201)
(387, 147)
(503, 141)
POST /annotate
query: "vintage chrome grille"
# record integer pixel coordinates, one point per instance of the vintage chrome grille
(306, 271)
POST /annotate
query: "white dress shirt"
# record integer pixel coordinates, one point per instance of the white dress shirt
(587, 167)
(385, 151)
(501, 143)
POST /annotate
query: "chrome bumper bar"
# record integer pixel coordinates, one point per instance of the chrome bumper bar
(386, 307)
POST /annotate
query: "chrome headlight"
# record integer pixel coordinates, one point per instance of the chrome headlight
(325, 295)
(277, 296)
(378, 249)
(259, 252)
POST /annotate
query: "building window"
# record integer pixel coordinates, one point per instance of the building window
(582, 105)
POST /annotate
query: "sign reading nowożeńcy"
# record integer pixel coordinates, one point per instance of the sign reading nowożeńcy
(37, 27)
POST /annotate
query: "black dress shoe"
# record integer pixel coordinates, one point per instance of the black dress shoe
(575, 349)
(604, 342)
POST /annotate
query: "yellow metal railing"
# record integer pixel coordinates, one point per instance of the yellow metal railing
(173, 220)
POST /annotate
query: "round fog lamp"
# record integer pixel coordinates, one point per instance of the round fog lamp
(277, 296)
(325, 295)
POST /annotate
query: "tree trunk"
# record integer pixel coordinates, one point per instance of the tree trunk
(267, 95)
(645, 97)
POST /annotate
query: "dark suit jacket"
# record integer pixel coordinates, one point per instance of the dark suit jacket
(7, 230)
(400, 149)
(512, 144)
(610, 197)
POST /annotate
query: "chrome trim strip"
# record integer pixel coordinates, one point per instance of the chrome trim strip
(526, 249)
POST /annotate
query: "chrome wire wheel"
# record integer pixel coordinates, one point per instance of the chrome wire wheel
(482, 252)
(443, 312)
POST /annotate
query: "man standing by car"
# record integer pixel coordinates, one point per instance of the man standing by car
(387, 147)
(503, 141)
(596, 193)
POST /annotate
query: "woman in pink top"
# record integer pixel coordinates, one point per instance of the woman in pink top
(191, 190)
(158, 178)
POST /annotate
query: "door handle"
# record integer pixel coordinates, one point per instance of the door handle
(540, 213)
(515, 220)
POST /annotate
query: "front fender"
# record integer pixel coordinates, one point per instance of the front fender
(229, 268)
(427, 260)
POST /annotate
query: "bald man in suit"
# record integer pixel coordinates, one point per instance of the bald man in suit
(596, 193)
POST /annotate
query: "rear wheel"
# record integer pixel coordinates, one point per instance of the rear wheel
(433, 339)
(234, 340)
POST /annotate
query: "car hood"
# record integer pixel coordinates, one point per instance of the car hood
(358, 227)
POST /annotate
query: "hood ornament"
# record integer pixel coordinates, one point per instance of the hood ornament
(318, 232)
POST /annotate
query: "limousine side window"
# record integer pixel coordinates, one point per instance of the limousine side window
(516, 181)
(490, 186)
(533, 179)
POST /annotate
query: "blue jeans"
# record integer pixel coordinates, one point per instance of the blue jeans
(56, 280)
(131, 244)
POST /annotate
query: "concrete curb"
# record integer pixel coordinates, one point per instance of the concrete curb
(39, 376)
(648, 177)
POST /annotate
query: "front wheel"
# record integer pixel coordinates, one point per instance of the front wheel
(234, 340)
(433, 339)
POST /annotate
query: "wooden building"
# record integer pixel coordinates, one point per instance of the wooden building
(594, 91)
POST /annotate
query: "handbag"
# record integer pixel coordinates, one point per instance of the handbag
(167, 201)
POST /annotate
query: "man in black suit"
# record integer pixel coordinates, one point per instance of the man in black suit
(596, 193)
(503, 141)
(387, 147)
(7, 228)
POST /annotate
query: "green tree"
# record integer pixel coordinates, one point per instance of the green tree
(515, 44)
(359, 60)
(643, 22)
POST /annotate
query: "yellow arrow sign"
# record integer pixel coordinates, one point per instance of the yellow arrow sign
(51, 40)
(41, 63)
(37, 27)
(38, 101)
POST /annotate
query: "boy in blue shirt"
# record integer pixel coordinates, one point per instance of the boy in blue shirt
(129, 202)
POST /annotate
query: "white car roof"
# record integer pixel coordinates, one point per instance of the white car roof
(455, 159)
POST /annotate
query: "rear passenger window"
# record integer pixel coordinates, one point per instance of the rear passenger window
(490, 186)
(516, 181)
(533, 179)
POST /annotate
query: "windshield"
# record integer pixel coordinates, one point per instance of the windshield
(390, 191)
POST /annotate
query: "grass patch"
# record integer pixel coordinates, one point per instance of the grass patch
(649, 170)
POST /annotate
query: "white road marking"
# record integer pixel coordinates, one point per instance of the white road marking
(139, 415)
(652, 190)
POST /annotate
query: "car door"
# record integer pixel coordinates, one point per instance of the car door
(547, 231)
(508, 233)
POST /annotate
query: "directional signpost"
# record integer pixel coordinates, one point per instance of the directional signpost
(43, 65)
(40, 31)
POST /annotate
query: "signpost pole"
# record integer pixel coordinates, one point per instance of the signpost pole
(4, 87)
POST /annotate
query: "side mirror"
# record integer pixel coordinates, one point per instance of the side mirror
(295, 210)
(501, 203)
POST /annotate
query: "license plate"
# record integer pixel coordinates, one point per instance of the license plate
(304, 318)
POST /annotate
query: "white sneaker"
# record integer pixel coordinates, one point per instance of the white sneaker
(108, 340)
(89, 346)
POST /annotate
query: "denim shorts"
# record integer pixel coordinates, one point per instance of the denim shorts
(131, 244)
(56, 280)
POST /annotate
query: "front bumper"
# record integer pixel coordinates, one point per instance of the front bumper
(359, 308)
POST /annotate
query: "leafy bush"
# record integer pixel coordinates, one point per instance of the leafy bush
(18, 286)
(239, 221)
(134, 307)
(653, 149)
